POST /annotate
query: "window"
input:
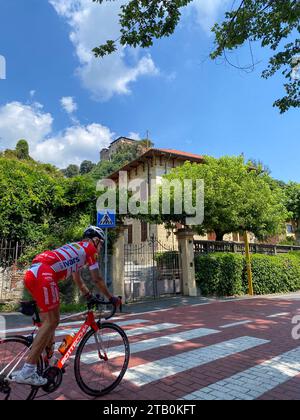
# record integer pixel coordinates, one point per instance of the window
(144, 231)
(290, 228)
(130, 234)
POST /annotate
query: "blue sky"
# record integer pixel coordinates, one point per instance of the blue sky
(69, 105)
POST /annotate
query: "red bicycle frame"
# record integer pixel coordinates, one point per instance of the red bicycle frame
(89, 323)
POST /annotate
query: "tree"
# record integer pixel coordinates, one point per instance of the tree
(237, 198)
(86, 167)
(292, 192)
(22, 150)
(267, 21)
(146, 144)
(71, 171)
(28, 196)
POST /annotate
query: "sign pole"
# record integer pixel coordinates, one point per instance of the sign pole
(248, 262)
(106, 219)
(106, 256)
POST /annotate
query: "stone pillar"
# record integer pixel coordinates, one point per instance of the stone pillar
(118, 263)
(186, 248)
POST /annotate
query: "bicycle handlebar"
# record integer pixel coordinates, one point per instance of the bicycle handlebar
(96, 302)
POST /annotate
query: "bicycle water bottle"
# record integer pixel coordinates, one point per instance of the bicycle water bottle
(66, 344)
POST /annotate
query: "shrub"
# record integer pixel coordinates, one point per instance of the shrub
(275, 274)
(220, 274)
(226, 275)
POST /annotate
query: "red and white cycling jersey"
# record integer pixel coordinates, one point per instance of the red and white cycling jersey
(69, 258)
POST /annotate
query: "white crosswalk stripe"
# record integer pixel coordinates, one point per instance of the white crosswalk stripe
(153, 343)
(154, 371)
(254, 382)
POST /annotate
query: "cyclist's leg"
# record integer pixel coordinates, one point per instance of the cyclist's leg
(50, 323)
(44, 290)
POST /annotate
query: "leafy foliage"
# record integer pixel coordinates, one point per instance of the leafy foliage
(224, 274)
(22, 150)
(236, 198)
(71, 171)
(124, 155)
(220, 274)
(270, 22)
(86, 167)
(292, 191)
(143, 20)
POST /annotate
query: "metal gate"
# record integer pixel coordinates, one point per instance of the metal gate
(152, 270)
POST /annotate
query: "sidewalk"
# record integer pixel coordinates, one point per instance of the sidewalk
(173, 302)
(15, 318)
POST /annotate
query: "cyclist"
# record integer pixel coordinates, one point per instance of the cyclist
(42, 279)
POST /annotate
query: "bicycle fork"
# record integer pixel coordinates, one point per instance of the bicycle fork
(100, 347)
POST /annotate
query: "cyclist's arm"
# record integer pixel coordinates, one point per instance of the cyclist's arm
(99, 282)
(80, 284)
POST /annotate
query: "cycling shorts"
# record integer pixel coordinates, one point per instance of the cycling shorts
(41, 282)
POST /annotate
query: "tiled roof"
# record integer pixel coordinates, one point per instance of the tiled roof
(180, 153)
(170, 153)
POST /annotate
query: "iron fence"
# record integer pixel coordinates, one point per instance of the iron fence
(207, 247)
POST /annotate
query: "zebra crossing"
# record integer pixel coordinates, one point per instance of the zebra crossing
(254, 382)
(196, 348)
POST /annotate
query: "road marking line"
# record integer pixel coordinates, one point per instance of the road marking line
(252, 383)
(278, 315)
(236, 324)
(154, 371)
(153, 343)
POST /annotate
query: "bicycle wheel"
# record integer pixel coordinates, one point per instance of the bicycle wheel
(12, 350)
(97, 375)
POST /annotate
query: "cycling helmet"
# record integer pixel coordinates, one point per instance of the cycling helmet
(94, 232)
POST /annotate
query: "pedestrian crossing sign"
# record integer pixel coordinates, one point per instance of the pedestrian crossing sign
(106, 219)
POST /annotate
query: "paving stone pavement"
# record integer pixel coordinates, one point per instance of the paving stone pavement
(203, 350)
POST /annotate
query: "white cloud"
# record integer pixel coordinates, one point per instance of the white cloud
(23, 121)
(134, 136)
(32, 93)
(92, 24)
(208, 12)
(69, 105)
(72, 145)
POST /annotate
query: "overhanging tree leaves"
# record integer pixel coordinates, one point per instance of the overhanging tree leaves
(237, 198)
(267, 21)
(271, 22)
(142, 20)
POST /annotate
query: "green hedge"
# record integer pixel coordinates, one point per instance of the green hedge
(224, 274)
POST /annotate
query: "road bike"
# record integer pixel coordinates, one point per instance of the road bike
(100, 362)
